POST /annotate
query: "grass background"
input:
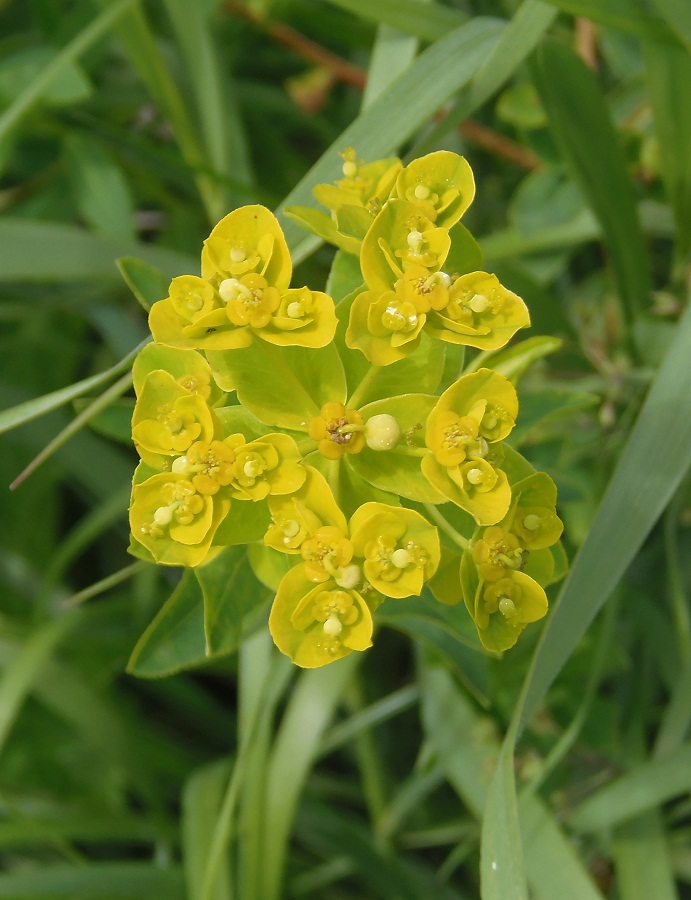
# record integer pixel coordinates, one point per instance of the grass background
(140, 760)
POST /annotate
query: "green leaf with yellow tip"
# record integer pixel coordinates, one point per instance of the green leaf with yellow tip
(470, 582)
(188, 368)
(540, 566)
(249, 239)
(300, 619)
(352, 490)
(344, 277)
(281, 386)
(441, 182)
(398, 470)
(323, 226)
(515, 464)
(514, 603)
(392, 242)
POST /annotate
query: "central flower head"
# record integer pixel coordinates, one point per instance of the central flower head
(337, 430)
(249, 300)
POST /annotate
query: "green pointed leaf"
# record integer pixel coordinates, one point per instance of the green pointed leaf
(677, 14)
(323, 226)
(430, 21)
(628, 16)
(91, 881)
(513, 362)
(345, 276)
(282, 386)
(175, 638)
(147, 283)
(230, 590)
(202, 798)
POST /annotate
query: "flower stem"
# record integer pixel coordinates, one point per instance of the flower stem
(446, 527)
(356, 397)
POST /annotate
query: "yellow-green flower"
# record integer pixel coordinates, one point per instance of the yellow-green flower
(401, 237)
(503, 608)
(337, 430)
(533, 516)
(385, 327)
(469, 417)
(298, 516)
(441, 184)
(173, 520)
(269, 465)
(303, 318)
(327, 554)
(168, 419)
(497, 553)
(400, 548)
(480, 313)
(318, 625)
(365, 185)
(248, 240)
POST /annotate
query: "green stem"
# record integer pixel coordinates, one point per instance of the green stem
(356, 397)
(679, 600)
(446, 527)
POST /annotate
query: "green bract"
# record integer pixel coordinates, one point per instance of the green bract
(268, 417)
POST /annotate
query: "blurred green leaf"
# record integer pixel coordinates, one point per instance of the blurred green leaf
(668, 69)
(147, 283)
(175, 638)
(429, 21)
(109, 880)
(100, 189)
(576, 109)
(642, 859)
(677, 14)
(201, 802)
(629, 16)
(44, 251)
(19, 70)
(230, 590)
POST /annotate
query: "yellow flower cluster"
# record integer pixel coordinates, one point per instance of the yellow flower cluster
(269, 416)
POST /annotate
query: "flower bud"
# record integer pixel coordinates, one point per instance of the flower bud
(382, 432)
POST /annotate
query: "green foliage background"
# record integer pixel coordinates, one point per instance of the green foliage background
(423, 768)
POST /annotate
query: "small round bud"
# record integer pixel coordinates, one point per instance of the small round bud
(294, 310)
(506, 606)
(382, 432)
(333, 625)
(422, 192)
(349, 168)
(238, 255)
(401, 558)
(179, 465)
(229, 289)
(478, 303)
(474, 476)
(291, 528)
(531, 522)
(163, 515)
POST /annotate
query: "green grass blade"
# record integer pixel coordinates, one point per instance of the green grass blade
(312, 704)
(20, 674)
(529, 23)
(401, 109)
(624, 15)
(121, 880)
(72, 254)
(641, 858)
(575, 107)
(76, 47)
(429, 22)
(668, 70)
(32, 409)
(218, 110)
(631, 506)
(201, 803)
(637, 791)
(677, 14)
(392, 53)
